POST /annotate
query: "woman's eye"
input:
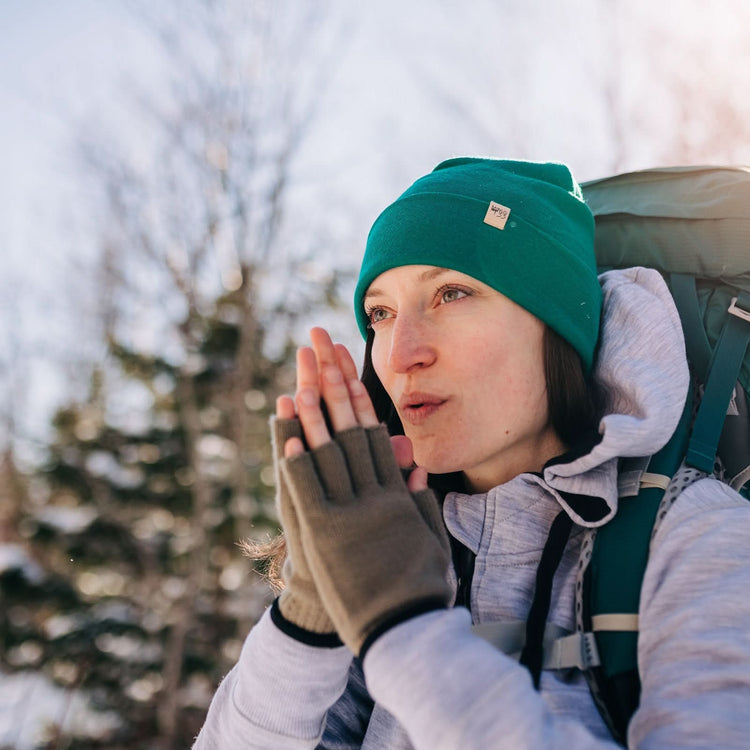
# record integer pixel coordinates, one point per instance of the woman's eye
(376, 314)
(452, 294)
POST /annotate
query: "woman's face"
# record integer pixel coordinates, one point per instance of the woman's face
(463, 365)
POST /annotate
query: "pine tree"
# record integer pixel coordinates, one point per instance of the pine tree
(145, 596)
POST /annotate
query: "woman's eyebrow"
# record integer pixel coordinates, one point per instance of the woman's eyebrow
(427, 275)
(432, 273)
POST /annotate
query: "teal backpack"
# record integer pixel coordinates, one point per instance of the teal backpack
(693, 225)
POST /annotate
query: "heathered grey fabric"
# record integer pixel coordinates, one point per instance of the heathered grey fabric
(436, 685)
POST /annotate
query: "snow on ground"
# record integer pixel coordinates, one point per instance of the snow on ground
(30, 705)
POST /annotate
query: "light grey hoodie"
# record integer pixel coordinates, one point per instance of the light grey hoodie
(435, 684)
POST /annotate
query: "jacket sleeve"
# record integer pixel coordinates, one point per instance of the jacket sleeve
(277, 695)
(694, 646)
(450, 689)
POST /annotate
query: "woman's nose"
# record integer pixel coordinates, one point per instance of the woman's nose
(411, 344)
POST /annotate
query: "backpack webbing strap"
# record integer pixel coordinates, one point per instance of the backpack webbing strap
(562, 649)
(725, 367)
(651, 480)
(620, 622)
(685, 295)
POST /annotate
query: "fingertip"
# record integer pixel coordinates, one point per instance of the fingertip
(417, 480)
(285, 407)
(293, 447)
(320, 336)
(402, 450)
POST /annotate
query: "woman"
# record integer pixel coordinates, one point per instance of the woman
(518, 379)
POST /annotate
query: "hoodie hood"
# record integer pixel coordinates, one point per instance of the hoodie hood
(643, 369)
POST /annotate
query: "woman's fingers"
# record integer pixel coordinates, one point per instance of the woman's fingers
(285, 410)
(360, 398)
(285, 407)
(333, 387)
(293, 447)
(328, 371)
(417, 480)
(403, 451)
(307, 399)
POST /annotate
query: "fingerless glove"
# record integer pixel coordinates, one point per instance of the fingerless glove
(299, 602)
(378, 554)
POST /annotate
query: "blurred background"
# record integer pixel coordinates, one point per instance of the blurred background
(186, 187)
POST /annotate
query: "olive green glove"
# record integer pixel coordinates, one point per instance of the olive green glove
(299, 601)
(378, 554)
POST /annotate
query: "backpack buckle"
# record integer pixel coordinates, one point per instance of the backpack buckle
(738, 311)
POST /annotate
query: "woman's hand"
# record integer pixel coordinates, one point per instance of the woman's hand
(327, 370)
(300, 602)
(377, 548)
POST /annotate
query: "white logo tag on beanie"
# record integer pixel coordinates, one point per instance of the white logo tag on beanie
(497, 215)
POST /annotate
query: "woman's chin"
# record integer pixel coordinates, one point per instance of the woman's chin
(434, 463)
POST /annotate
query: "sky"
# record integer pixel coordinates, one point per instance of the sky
(398, 62)
(58, 62)
(604, 85)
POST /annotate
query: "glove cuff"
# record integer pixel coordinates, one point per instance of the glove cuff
(303, 635)
(300, 604)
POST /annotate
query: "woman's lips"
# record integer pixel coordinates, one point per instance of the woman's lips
(416, 408)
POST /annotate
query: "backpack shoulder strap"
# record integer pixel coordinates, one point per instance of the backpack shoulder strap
(611, 569)
(725, 366)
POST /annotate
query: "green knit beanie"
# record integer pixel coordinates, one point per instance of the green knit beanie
(520, 227)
